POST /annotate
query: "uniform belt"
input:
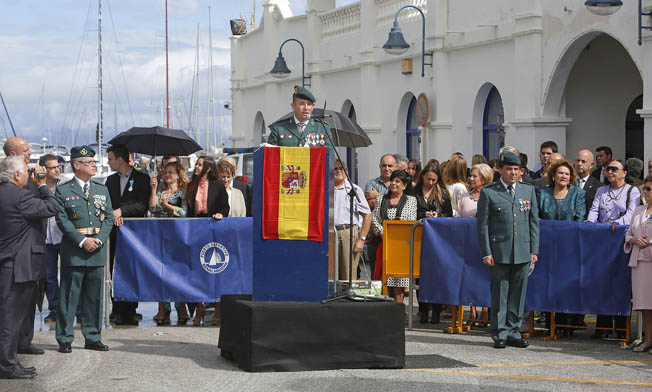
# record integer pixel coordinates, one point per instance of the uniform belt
(89, 230)
(343, 227)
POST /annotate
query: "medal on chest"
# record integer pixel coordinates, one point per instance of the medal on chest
(131, 185)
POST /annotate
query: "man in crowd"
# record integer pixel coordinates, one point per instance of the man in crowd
(86, 218)
(547, 148)
(401, 162)
(22, 260)
(300, 130)
(17, 146)
(130, 191)
(372, 189)
(244, 188)
(52, 239)
(508, 231)
(361, 221)
(634, 168)
(583, 164)
(603, 157)
(614, 204)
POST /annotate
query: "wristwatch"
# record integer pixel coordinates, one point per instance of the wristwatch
(363, 238)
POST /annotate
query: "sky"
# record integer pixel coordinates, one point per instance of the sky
(48, 66)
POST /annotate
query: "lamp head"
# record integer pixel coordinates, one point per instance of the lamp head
(395, 42)
(280, 70)
(603, 7)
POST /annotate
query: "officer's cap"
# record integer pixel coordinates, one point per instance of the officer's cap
(81, 152)
(304, 93)
(508, 158)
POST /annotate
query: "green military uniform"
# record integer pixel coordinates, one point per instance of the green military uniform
(287, 133)
(508, 230)
(82, 214)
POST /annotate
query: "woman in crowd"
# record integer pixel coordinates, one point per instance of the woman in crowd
(432, 201)
(467, 207)
(478, 159)
(170, 202)
(637, 241)
(562, 200)
(207, 197)
(414, 169)
(237, 207)
(455, 179)
(396, 204)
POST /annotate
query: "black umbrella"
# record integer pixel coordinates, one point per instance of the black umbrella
(157, 141)
(345, 131)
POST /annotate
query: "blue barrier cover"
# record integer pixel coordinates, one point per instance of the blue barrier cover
(184, 260)
(581, 269)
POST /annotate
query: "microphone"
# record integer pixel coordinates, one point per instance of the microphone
(321, 116)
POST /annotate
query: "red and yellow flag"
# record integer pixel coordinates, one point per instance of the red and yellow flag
(293, 193)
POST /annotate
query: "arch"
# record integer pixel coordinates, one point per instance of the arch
(408, 126)
(486, 93)
(348, 109)
(556, 86)
(634, 138)
(259, 128)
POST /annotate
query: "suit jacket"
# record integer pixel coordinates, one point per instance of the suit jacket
(218, 200)
(285, 133)
(22, 241)
(246, 193)
(571, 208)
(508, 228)
(443, 210)
(636, 229)
(134, 201)
(76, 211)
(590, 188)
(596, 174)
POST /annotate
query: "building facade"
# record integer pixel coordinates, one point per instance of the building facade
(505, 72)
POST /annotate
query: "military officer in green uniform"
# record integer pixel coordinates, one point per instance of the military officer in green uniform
(86, 219)
(508, 230)
(300, 130)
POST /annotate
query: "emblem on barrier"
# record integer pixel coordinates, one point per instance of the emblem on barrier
(292, 179)
(214, 257)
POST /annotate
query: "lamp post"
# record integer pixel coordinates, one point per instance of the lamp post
(281, 70)
(396, 44)
(608, 7)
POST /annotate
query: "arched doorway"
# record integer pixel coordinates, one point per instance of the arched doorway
(493, 132)
(595, 83)
(259, 128)
(634, 131)
(412, 132)
(351, 153)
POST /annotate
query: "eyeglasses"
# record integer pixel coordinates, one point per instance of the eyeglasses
(647, 188)
(336, 168)
(613, 168)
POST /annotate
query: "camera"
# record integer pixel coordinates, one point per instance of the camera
(38, 175)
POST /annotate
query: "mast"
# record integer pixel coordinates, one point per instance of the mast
(100, 124)
(194, 85)
(167, 80)
(209, 114)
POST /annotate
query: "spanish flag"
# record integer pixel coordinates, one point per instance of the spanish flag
(293, 193)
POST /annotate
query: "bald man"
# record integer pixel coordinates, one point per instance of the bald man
(583, 164)
(244, 188)
(17, 146)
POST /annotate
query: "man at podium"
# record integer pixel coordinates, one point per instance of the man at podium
(300, 130)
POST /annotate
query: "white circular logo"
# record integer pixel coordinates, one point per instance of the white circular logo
(214, 257)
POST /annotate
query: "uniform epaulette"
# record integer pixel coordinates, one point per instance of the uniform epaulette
(97, 181)
(282, 120)
(493, 184)
(69, 181)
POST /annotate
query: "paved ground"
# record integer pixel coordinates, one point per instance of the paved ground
(178, 358)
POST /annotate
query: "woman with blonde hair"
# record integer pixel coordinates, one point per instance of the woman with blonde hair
(455, 180)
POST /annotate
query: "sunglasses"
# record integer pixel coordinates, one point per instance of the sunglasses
(613, 168)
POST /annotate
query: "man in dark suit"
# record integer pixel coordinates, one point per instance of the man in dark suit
(603, 157)
(508, 231)
(22, 256)
(130, 191)
(585, 180)
(242, 187)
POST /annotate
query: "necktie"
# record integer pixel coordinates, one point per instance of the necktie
(510, 189)
(86, 193)
(580, 183)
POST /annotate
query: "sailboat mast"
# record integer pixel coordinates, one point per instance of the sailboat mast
(210, 82)
(100, 124)
(167, 80)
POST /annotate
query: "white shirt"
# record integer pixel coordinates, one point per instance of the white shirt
(124, 180)
(506, 186)
(302, 127)
(584, 179)
(342, 203)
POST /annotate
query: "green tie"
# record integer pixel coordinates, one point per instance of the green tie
(510, 189)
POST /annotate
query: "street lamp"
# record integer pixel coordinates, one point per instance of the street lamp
(396, 44)
(640, 22)
(281, 70)
(603, 7)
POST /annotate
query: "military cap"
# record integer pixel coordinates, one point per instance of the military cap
(304, 93)
(81, 152)
(508, 158)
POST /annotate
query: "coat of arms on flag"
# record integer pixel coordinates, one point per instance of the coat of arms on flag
(293, 193)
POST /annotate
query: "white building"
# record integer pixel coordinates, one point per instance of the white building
(541, 69)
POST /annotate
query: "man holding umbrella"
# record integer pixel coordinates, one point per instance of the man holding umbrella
(300, 130)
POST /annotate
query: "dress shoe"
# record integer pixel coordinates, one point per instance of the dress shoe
(423, 317)
(520, 343)
(51, 318)
(65, 348)
(31, 350)
(18, 375)
(125, 320)
(500, 343)
(30, 369)
(97, 346)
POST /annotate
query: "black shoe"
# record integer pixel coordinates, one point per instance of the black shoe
(423, 317)
(139, 316)
(19, 374)
(500, 343)
(520, 343)
(435, 319)
(125, 320)
(30, 369)
(97, 346)
(65, 348)
(31, 350)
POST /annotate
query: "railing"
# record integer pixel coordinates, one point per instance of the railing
(340, 21)
(387, 9)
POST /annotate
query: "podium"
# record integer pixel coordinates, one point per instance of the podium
(290, 270)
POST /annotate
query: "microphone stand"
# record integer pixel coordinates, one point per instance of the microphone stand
(350, 294)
